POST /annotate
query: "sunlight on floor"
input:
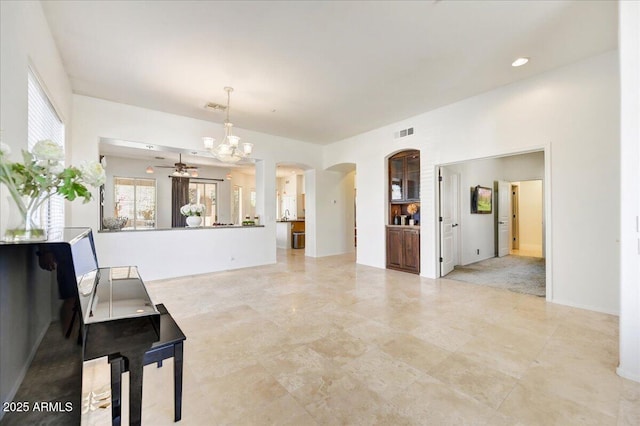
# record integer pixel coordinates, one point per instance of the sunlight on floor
(528, 253)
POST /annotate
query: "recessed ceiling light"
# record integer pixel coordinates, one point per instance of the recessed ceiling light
(519, 62)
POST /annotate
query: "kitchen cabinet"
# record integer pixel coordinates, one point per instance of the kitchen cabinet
(403, 248)
(297, 226)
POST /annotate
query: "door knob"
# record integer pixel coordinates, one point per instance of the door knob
(454, 225)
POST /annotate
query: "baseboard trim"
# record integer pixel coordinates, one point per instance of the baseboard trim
(628, 375)
(586, 307)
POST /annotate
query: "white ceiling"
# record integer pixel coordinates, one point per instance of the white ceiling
(317, 71)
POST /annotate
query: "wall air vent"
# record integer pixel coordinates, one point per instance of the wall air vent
(403, 133)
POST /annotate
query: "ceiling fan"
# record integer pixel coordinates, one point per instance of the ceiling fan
(182, 169)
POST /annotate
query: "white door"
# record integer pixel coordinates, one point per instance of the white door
(446, 223)
(504, 213)
(455, 203)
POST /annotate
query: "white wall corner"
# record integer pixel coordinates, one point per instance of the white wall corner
(629, 42)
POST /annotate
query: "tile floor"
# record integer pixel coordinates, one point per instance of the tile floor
(325, 341)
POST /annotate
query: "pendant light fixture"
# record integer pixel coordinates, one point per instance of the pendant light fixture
(229, 150)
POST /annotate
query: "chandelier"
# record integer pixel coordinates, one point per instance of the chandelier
(230, 150)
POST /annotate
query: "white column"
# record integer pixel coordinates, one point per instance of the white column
(629, 45)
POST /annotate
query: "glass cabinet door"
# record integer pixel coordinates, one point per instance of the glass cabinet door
(413, 177)
(396, 174)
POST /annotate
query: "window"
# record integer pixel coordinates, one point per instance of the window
(44, 123)
(207, 194)
(135, 199)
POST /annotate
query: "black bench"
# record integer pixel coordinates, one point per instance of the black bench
(169, 345)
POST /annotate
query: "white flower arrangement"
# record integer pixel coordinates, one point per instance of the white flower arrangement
(42, 175)
(192, 209)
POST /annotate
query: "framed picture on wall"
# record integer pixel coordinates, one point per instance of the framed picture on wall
(481, 200)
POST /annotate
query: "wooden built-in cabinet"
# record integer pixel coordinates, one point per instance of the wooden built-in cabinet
(403, 248)
(404, 177)
(403, 242)
(404, 183)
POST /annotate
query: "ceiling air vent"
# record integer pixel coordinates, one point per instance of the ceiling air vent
(403, 133)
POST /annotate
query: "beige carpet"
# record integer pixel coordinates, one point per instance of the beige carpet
(516, 273)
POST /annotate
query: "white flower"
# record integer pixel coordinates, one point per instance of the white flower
(55, 168)
(5, 149)
(185, 210)
(198, 209)
(93, 173)
(48, 150)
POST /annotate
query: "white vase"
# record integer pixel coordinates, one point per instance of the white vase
(194, 221)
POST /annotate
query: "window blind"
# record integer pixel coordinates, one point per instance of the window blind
(44, 123)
